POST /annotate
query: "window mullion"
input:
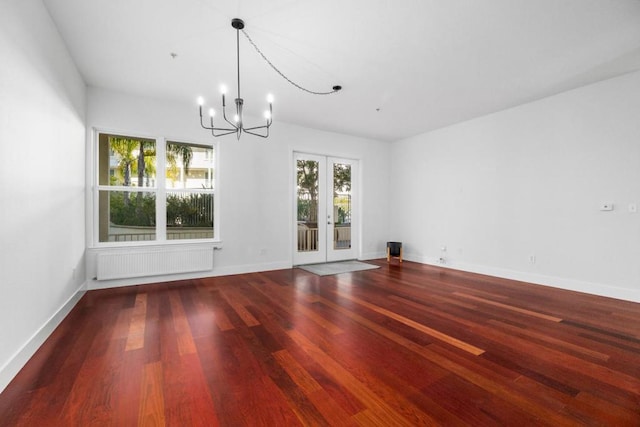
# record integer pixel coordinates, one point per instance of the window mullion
(161, 196)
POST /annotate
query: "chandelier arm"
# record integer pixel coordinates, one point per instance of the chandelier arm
(221, 129)
(224, 116)
(257, 134)
(230, 131)
(201, 122)
(335, 88)
(231, 123)
(258, 127)
(212, 128)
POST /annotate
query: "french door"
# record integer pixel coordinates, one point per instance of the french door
(325, 209)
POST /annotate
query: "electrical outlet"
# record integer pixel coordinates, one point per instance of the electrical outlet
(633, 208)
(532, 259)
(606, 206)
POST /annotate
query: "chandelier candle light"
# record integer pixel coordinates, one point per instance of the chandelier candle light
(237, 125)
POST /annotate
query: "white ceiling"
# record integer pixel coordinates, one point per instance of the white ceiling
(424, 64)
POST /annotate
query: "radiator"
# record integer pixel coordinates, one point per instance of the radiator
(153, 262)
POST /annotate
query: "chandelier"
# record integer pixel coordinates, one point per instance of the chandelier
(236, 125)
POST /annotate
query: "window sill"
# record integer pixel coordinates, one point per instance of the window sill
(217, 244)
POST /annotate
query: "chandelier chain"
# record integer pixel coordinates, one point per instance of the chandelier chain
(281, 73)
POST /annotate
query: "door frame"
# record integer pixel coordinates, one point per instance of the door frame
(324, 254)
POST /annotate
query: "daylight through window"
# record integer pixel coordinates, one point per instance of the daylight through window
(134, 205)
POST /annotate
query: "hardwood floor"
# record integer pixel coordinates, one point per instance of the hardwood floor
(401, 345)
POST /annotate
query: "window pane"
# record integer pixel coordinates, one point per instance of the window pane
(189, 215)
(126, 161)
(126, 216)
(342, 206)
(307, 176)
(189, 166)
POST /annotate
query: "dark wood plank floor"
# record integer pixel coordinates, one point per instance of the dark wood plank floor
(400, 345)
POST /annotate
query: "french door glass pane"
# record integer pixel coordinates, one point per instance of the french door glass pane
(307, 199)
(342, 206)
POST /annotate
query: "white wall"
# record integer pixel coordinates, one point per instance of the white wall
(42, 134)
(255, 181)
(528, 181)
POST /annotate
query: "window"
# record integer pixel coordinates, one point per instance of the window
(190, 184)
(126, 189)
(152, 190)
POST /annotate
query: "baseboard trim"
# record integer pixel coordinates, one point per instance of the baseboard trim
(22, 356)
(373, 255)
(599, 289)
(252, 268)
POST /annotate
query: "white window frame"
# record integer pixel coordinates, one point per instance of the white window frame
(160, 190)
